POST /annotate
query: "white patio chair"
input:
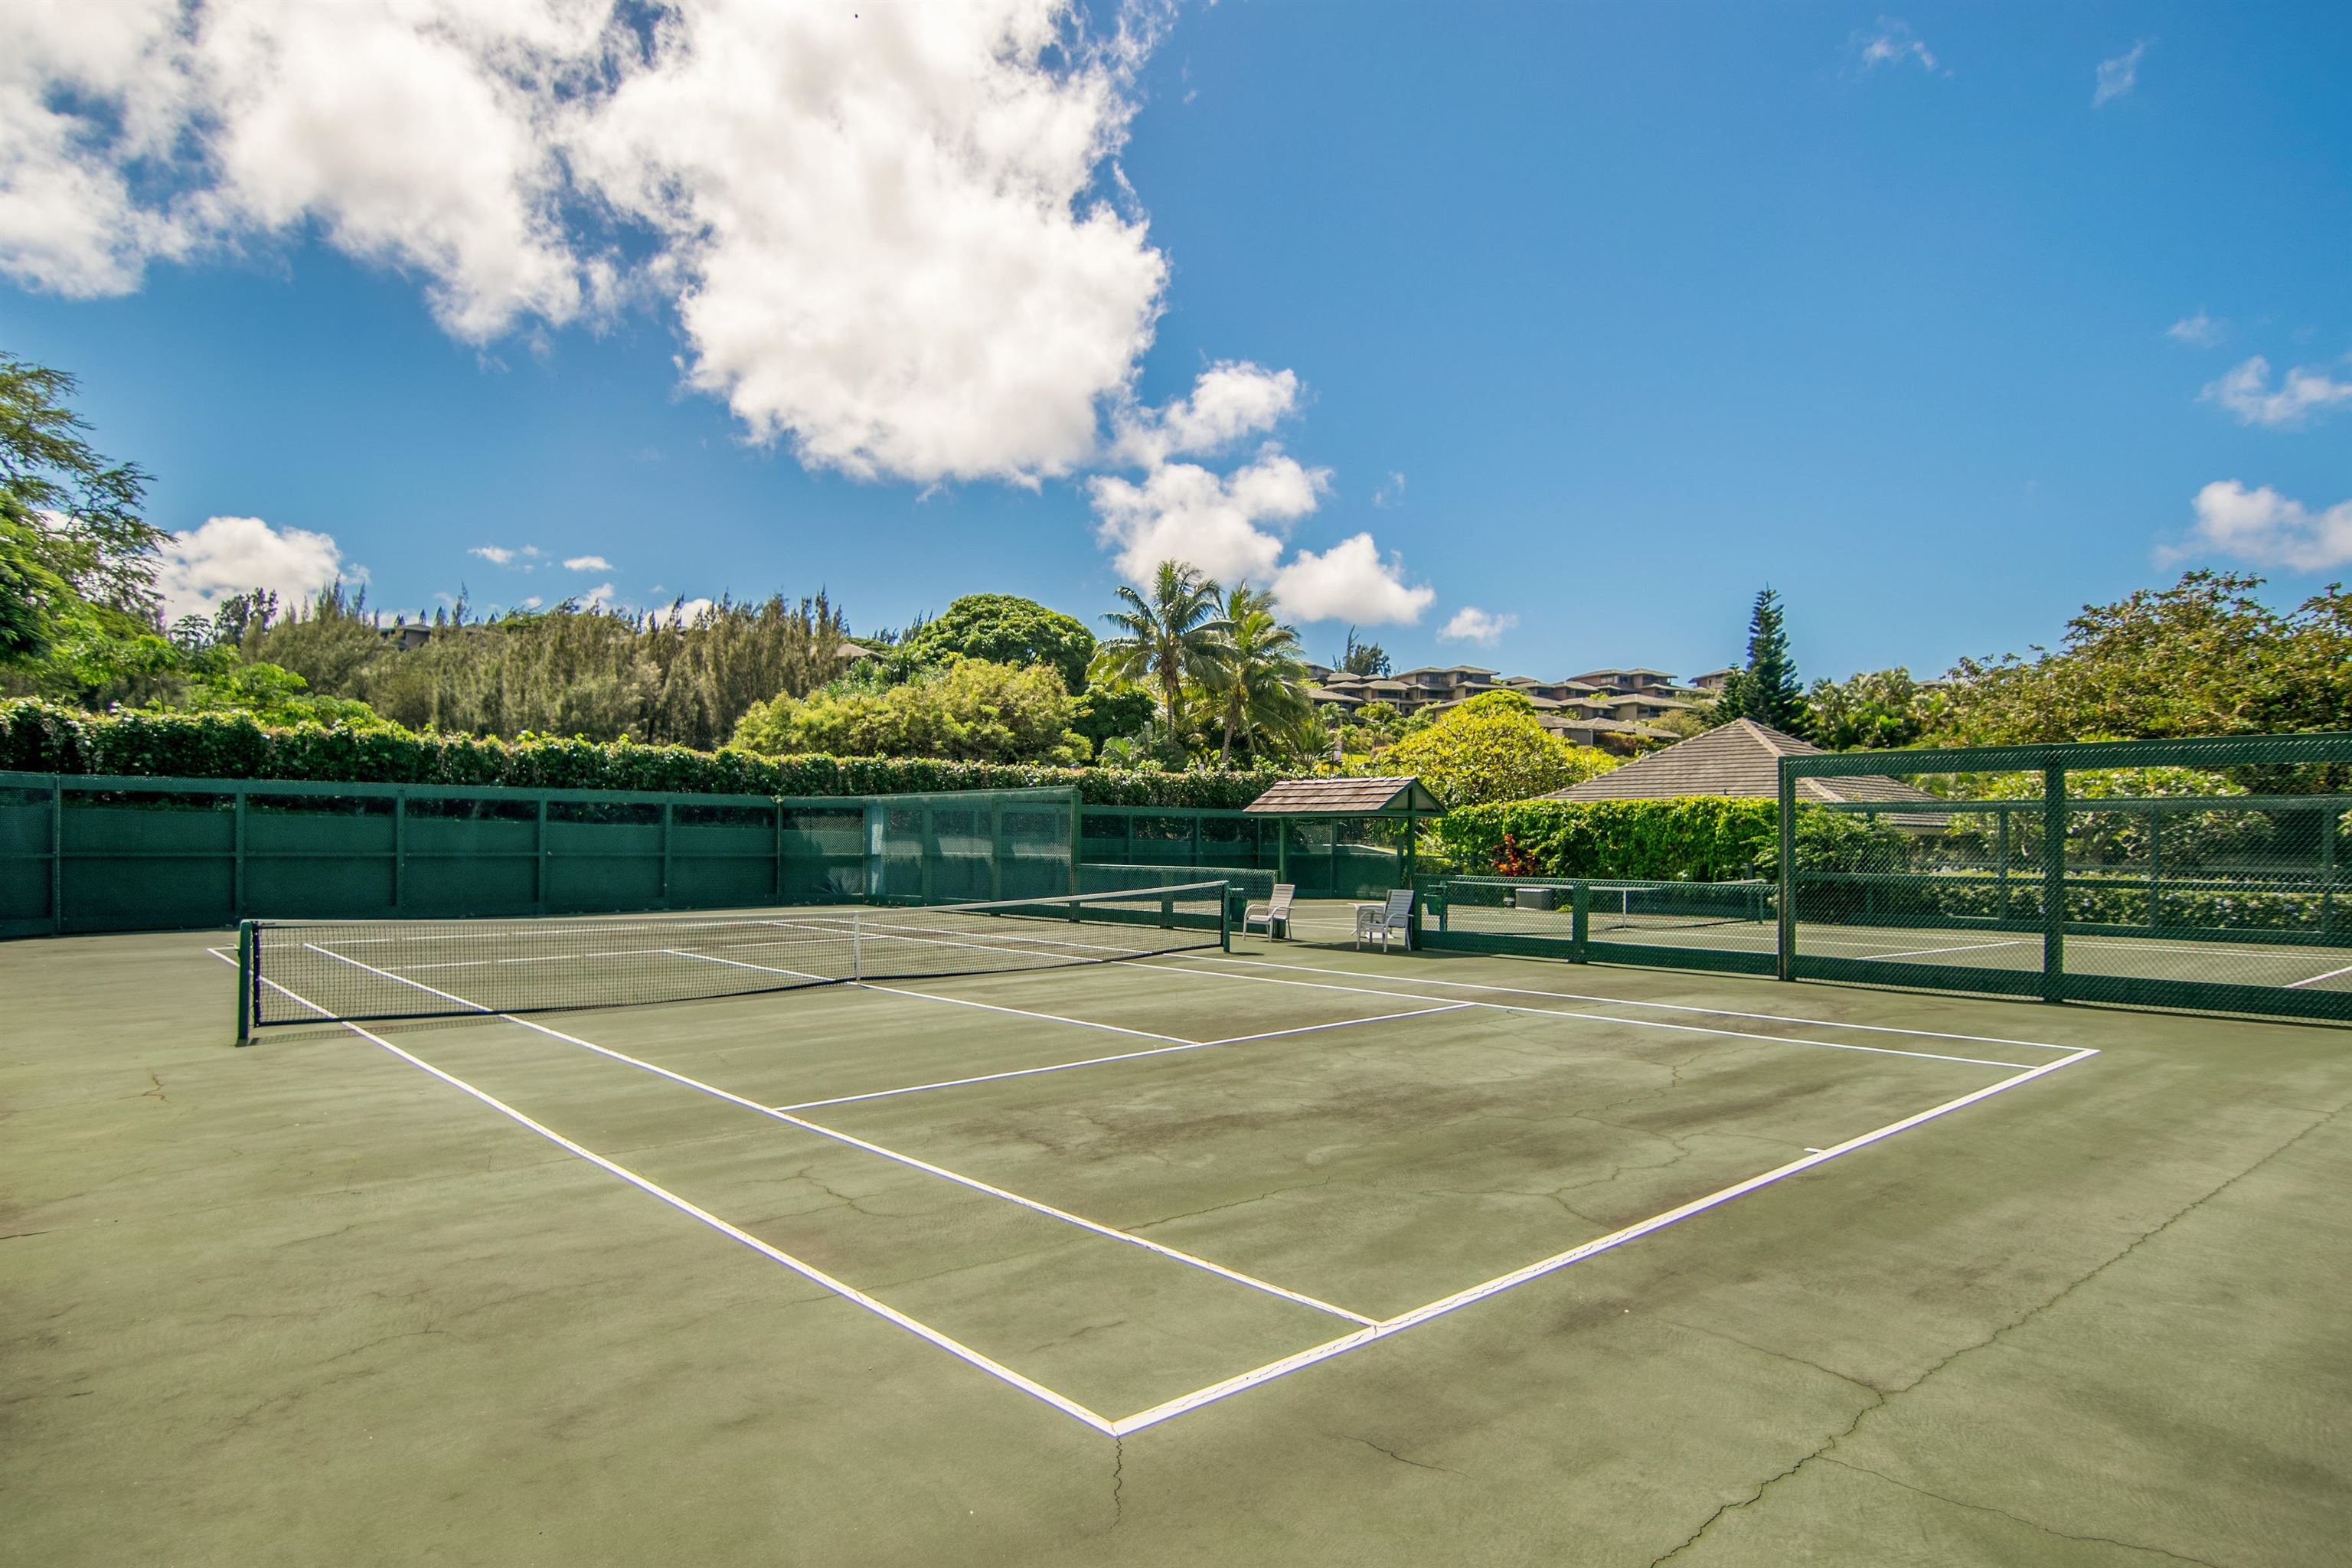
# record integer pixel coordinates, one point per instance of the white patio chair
(1272, 914)
(1379, 923)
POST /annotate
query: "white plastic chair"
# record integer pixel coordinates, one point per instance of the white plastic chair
(1379, 923)
(1272, 914)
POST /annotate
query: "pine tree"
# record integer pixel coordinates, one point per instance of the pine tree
(1767, 689)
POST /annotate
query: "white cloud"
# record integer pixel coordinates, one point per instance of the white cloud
(2119, 75)
(882, 232)
(1230, 400)
(2200, 331)
(599, 598)
(880, 227)
(534, 602)
(196, 570)
(1181, 511)
(586, 564)
(2246, 392)
(496, 554)
(1892, 43)
(1390, 492)
(1470, 624)
(2266, 529)
(1349, 582)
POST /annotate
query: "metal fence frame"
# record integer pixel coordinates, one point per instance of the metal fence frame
(666, 858)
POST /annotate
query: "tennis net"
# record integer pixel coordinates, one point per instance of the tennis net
(312, 972)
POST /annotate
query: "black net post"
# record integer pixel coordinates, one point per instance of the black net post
(2053, 883)
(248, 980)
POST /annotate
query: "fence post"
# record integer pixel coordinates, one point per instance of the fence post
(399, 847)
(1785, 937)
(236, 870)
(57, 856)
(666, 811)
(539, 877)
(2155, 866)
(1580, 918)
(776, 883)
(996, 848)
(2329, 816)
(2053, 883)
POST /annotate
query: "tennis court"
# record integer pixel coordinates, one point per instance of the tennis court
(894, 1235)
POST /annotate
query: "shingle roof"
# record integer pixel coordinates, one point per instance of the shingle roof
(1343, 798)
(1739, 759)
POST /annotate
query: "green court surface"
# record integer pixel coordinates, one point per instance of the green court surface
(1294, 1254)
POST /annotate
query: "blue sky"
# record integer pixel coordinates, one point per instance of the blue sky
(1593, 319)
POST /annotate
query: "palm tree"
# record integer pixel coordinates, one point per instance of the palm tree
(1260, 681)
(1174, 635)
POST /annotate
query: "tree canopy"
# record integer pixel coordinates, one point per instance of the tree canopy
(1004, 628)
(1492, 748)
(1766, 689)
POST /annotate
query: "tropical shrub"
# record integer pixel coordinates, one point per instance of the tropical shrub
(1490, 748)
(1702, 839)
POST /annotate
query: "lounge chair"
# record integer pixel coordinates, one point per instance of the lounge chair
(1273, 914)
(1379, 923)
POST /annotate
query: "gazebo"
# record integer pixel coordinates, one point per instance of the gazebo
(1333, 826)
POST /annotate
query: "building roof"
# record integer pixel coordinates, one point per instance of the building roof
(1346, 797)
(1594, 675)
(1445, 669)
(1711, 674)
(1740, 759)
(1325, 694)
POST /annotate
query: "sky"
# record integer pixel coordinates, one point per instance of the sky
(1535, 336)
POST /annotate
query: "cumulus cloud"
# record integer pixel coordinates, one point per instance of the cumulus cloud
(599, 598)
(1229, 401)
(2200, 331)
(882, 232)
(1231, 526)
(2119, 75)
(2266, 529)
(1892, 43)
(496, 554)
(586, 564)
(2247, 393)
(196, 570)
(532, 603)
(1349, 582)
(1470, 624)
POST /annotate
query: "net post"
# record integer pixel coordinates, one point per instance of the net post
(1225, 919)
(248, 980)
(856, 947)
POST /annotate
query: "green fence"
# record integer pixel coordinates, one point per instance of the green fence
(2056, 872)
(95, 854)
(1325, 858)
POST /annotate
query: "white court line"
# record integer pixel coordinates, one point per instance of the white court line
(739, 963)
(810, 1272)
(1025, 1013)
(1602, 1018)
(1628, 1002)
(1460, 1299)
(1099, 1061)
(1924, 952)
(2298, 985)
(976, 1184)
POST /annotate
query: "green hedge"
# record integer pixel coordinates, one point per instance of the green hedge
(1703, 838)
(44, 738)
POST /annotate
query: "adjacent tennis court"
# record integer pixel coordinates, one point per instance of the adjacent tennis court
(1069, 1227)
